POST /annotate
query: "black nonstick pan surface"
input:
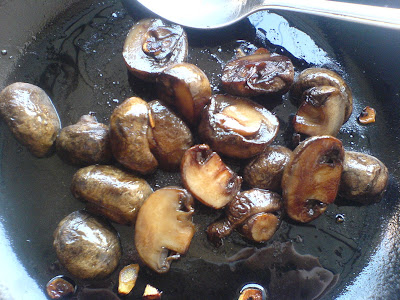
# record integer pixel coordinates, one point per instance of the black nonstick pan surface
(73, 49)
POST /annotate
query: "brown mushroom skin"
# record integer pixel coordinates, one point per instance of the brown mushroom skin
(241, 208)
(258, 74)
(110, 192)
(164, 227)
(185, 87)
(364, 178)
(129, 126)
(208, 178)
(85, 143)
(265, 171)
(31, 117)
(311, 179)
(237, 127)
(322, 112)
(170, 136)
(313, 77)
(153, 45)
(87, 246)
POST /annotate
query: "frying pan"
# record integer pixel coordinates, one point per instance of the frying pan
(72, 49)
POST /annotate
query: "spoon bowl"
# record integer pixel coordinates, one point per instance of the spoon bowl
(210, 14)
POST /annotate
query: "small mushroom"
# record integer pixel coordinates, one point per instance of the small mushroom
(322, 112)
(255, 212)
(185, 87)
(367, 115)
(110, 192)
(256, 74)
(169, 137)
(265, 170)
(31, 117)
(85, 143)
(153, 45)
(207, 177)
(313, 77)
(237, 127)
(311, 179)
(129, 125)
(364, 178)
(127, 278)
(87, 246)
(60, 287)
(151, 293)
(164, 227)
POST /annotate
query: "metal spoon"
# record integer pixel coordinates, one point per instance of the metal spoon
(209, 14)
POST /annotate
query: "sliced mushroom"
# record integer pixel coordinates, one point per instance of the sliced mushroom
(313, 77)
(129, 125)
(111, 192)
(31, 117)
(367, 116)
(237, 127)
(207, 177)
(170, 137)
(311, 179)
(265, 170)
(85, 143)
(239, 211)
(321, 113)
(185, 87)
(87, 246)
(152, 45)
(164, 227)
(364, 178)
(127, 278)
(257, 74)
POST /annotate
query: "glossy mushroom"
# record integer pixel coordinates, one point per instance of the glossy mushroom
(208, 178)
(164, 227)
(237, 127)
(311, 179)
(185, 87)
(153, 45)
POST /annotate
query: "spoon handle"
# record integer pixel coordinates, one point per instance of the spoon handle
(360, 13)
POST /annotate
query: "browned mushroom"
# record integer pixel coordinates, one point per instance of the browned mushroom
(256, 212)
(207, 177)
(364, 178)
(311, 179)
(237, 127)
(313, 77)
(169, 136)
(257, 74)
(367, 115)
(152, 45)
(185, 87)
(85, 143)
(164, 227)
(127, 278)
(265, 170)
(110, 192)
(322, 112)
(129, 125)
(31, 117)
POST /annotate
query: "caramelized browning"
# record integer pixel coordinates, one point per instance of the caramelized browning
(367, 115)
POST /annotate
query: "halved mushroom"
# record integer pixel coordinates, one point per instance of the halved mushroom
(85, 143)
(31, 117)
(110, 192)
(129, 125)
(311, 179)
(322, 112)
(185, 87)
(257, 74)
(265, 170)
(237, 127)
(152, 45)
(164, 227)
(207, 177)
(364, 178)
(169, 137)
(239, 213)
(313, 77)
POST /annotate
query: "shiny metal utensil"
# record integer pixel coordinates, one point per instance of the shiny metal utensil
(209, 14)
